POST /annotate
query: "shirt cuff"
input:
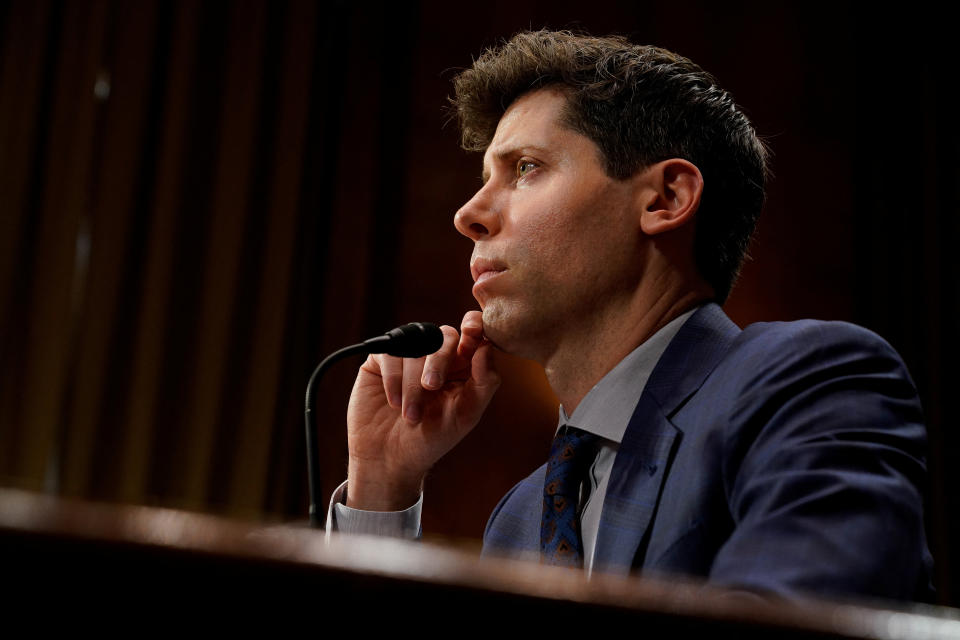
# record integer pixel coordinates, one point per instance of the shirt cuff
(394, 524)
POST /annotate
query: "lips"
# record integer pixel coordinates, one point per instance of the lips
(484, 268)
(486, 275)
(483, 271)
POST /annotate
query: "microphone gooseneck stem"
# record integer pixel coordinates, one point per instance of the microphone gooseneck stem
(313, 462)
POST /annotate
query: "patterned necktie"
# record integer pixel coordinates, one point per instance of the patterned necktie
(570, 457)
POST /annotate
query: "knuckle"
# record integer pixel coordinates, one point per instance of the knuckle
(411, 388)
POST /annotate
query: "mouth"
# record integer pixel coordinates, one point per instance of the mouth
(483, 269)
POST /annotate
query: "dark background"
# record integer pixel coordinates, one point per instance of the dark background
(198, 200)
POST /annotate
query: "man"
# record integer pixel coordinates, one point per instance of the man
(621, 186)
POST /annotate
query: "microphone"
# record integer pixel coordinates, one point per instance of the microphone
(413, 340)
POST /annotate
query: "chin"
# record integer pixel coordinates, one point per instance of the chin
(507, 330)
(495, 327)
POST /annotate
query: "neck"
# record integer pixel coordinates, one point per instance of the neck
(587, 353)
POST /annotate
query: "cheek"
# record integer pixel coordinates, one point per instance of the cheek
(549, 242)
(571, 234)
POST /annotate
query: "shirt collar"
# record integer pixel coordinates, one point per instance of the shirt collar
(606, 410)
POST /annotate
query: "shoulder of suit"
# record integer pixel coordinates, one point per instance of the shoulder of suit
(807, 335)
(768, 349)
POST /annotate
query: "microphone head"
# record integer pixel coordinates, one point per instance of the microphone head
(413, 340)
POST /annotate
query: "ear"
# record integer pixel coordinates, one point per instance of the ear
(671, 195)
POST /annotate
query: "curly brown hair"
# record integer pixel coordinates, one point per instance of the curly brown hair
(640, 105)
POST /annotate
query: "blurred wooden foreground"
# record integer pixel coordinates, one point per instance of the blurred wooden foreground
(145, 561)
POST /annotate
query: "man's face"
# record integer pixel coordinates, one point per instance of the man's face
(557, 242)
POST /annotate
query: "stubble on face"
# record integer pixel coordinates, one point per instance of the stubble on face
(565, 233)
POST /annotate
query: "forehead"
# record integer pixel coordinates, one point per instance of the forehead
(537, 112)
(533, 121)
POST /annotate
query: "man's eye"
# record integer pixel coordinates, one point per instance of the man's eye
(524, 167)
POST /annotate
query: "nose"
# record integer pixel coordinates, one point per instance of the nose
(478, 218)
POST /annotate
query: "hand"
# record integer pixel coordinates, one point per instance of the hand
(405, 414)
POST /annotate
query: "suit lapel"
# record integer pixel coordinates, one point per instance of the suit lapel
(650, 441)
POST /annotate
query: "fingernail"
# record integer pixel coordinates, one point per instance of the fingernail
(413, 413)
(432, 380)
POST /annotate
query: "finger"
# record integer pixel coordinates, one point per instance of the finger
(437, 364)
(391, 370)
(484, 382)
(471, 334)
(412, 406)
(486, 378)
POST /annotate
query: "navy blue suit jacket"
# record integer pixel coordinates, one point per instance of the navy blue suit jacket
(784, 458)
